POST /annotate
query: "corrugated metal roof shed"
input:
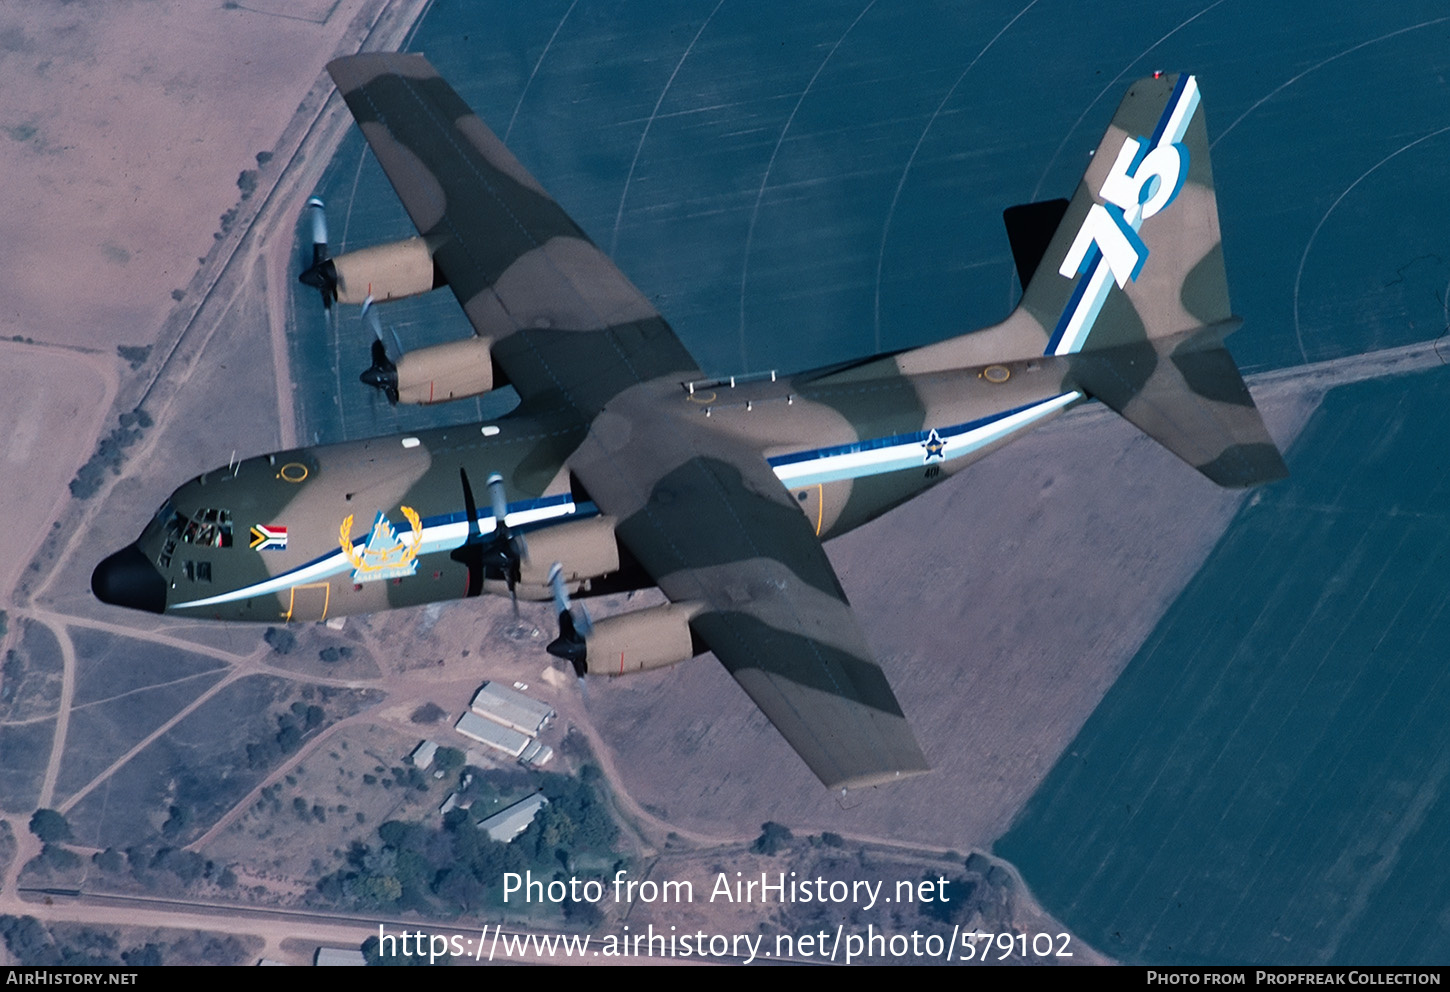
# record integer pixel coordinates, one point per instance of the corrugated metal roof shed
(510, 708)
(496, 736)
(507, 824)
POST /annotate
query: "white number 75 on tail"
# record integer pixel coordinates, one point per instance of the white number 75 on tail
(1145, 178)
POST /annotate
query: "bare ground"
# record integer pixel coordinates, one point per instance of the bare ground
(51, 431)
(117, 167)
(1003, 605)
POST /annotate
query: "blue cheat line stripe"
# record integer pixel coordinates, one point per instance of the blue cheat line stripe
(916, 437)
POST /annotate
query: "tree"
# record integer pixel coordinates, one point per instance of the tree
(50, 826)
(448, 759)
(772, 840)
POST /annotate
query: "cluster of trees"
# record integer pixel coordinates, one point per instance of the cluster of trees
(33, 943)
(292, 726)
(108, 453)
(54, 832)
(455, 867)
(773, 839)
(134, 355)
(158, 869)
(155, 869)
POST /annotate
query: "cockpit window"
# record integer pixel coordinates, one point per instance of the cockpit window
(207, 528)
(164, 514)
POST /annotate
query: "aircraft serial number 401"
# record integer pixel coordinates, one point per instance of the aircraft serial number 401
(622, 468)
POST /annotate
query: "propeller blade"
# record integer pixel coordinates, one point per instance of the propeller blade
(556, 582)
(469, 506)
(570, 644)
(373, 320)
(470, 552)
(322, 275)
(500, 500)
(584, 626)
(507, 550)
(319, 229)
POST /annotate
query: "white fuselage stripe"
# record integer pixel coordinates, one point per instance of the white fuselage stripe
(435, 537)
(912, 453)
(909, 453)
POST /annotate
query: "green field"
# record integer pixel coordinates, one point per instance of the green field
(1266, 782)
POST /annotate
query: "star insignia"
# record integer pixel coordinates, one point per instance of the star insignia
(934, 446)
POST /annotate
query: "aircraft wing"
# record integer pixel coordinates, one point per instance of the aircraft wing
(712, 524)
(562, 320)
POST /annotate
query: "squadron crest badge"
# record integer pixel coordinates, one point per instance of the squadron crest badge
(385, 555)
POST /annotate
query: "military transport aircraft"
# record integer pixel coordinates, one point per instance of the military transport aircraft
(624, 467)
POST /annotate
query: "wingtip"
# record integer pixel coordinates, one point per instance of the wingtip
(871, 779)
(351, 71)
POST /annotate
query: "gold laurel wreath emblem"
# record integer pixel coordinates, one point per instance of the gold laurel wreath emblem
(407, 552)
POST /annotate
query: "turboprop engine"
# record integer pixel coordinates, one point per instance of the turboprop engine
(380, 273)
(588, 546)
(435, 374)
(655, 637)
(383, 272)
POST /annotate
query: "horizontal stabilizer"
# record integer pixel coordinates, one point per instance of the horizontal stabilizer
(1187, 394)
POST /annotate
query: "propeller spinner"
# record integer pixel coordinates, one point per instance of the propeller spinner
(382, 374)
(503, 554)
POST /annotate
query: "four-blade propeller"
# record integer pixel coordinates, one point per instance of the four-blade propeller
(499, 557)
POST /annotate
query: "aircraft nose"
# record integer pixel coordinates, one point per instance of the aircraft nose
(128, 579)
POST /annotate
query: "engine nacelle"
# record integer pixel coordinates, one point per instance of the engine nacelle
(384, 272)
(584, 549)
(640, 641)
(443, 372)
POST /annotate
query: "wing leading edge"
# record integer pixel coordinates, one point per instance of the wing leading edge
(562, 321)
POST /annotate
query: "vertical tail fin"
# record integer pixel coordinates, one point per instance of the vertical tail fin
(1144, 222)
(1135, 255)
(1132, 295)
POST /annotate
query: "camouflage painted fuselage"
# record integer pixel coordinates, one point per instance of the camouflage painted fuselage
(290, 536)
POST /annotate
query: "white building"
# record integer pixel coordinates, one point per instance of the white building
(507, 824)
(536, 755)
(496, 736)
(512, 709)
(422, 755)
